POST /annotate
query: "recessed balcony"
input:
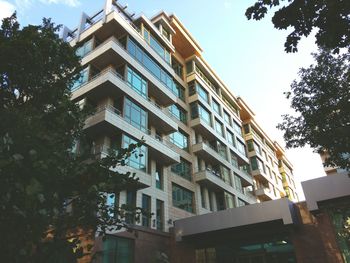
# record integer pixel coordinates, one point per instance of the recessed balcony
(108, 83)
(264, 194)
(109, 118)
(112, 52)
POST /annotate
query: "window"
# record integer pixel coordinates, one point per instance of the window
(137, 83)
(246, 128)
(136, 52)
(216, 107)
(130, 205)
(202, 92)
(225, 175)
(250, 145)
(204, 115)
(231, 138)
(222, 150)
(189, 67)
(146, 206)
(138, 159)
(219, 128)
(257, 147)
(238, 183)
(165, 33)
(85, 48)
(84, 77)
(177, 66)
(241, 147)
(237, 128)
(230, 200)
(182, 198)
(112, 201)
(159, 215)
(159, 177)
(257, 164)
(117, 249)
(182, 169)
(178, 113)
(162, 52)
(264, 155)
(135, 115)
(180, 139)
(194, 87)
(227, 118)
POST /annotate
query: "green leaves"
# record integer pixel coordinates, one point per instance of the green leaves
(330, 18)
(46, 191)
(321, 98)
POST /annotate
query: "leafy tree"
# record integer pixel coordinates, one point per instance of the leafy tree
(321, 97)
(330, 17)
(48, 194)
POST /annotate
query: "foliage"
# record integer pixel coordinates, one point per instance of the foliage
(330, 17)
(322, 98)
(46, 190)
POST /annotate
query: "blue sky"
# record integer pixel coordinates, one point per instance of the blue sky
(248, 55)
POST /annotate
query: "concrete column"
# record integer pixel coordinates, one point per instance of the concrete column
(206, 198)
(236, 201)
(213, 201)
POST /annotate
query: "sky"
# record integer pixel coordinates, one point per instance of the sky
(248, 56)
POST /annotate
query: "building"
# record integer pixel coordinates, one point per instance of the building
(204, 152)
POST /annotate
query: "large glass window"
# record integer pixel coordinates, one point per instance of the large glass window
(159, 177)
(216, 107)
(219, 128)
(227, 118)
(182, 169)
(237, 128)
(177, 66)
(117, 249)
(85, 48)
(194, 87)
(146, 206)
(152, 66)
(160, 215)
(130, 207)
(230, 200)
(135, 115)
(198, 110)
(84, 77)
(178, 112)
(137, 160)
(241, 147)
(162, 52)
(257, 164)
(238, 183)
(257, 147)
(222, 150)
(182, 198)
(137, 83)
(231, 138)
(180, 139)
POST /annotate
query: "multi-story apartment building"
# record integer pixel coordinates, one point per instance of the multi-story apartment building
(203, 150)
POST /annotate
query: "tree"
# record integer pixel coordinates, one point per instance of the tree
(321, 97)
(47, 192)
(330, 17)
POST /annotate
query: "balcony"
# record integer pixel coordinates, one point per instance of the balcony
(112, 52)
(207, 152)
(144, 179)
(264, 193)
(242, 171)
(109, 118)
(109, 82)
(214, 181)
(202, 127)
